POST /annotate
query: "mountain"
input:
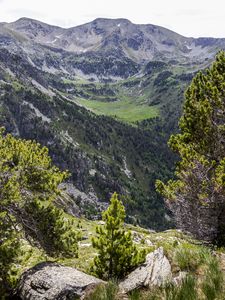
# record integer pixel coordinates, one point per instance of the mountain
(104, 97)
(139, 43)
(103, 47)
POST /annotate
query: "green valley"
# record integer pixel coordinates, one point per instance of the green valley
(123, 109)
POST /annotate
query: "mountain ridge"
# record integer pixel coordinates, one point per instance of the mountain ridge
(138, 42)
(107, 20)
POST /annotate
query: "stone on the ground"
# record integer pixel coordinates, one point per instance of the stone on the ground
(55, 282)
(101, 222)
(156, 271)
(149, 243)
(180, 278)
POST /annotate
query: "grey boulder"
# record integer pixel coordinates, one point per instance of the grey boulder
(52, 281)
(156, 271)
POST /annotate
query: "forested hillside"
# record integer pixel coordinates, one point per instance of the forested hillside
(104, 97)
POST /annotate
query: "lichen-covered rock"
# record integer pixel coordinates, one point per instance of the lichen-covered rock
(55, 282)
(156, 271)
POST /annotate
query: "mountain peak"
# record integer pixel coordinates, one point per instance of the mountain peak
(24, 21)
(109, 20)
(32, 28)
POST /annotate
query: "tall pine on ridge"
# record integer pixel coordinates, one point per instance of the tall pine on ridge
(197, 196)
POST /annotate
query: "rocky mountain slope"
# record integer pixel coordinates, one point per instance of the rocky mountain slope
(139, 43)
(104, 47)
(103, 96)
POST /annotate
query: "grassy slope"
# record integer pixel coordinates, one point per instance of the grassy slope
(184, 253)
(130, 105)
(170, 240)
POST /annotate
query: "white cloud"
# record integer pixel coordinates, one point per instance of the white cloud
(190, 18)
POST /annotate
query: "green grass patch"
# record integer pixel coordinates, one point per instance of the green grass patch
(123, 110)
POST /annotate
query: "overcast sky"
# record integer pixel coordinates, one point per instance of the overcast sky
(188, 17)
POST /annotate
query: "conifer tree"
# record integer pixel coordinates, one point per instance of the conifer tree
(117, 253)
(28, 187)
(10, 249)
(56, 234)
(197, 196)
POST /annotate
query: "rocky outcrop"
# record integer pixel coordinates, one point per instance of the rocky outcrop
(55, 282)
(156, 271)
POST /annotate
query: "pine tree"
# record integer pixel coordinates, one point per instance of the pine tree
(197, 196)
(117, 253)
(56, 234)
(28, 187)
(10, 249)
